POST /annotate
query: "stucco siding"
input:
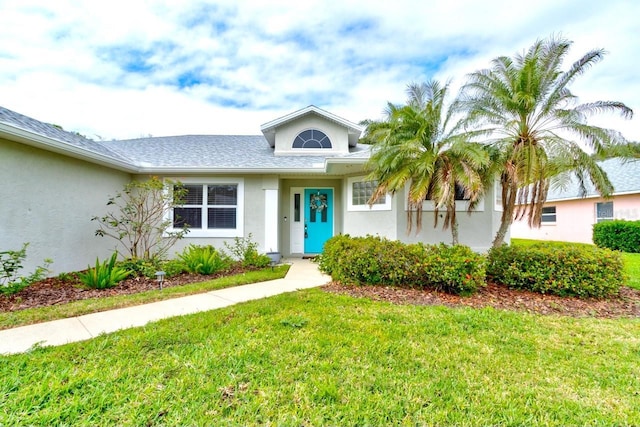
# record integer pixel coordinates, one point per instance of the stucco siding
(48, 200)
(475, 230)
(575, 219)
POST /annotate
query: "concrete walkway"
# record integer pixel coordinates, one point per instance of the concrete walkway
(302, 274)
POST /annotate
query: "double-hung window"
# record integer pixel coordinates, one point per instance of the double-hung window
(548, 215)
(604, 211)
(212, 209)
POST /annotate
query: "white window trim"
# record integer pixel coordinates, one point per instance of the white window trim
(595, 211)
(215, 232)
(497, 195)
(386, 206)
(555, 213)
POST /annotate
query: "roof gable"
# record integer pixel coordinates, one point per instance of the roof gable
(269, 129)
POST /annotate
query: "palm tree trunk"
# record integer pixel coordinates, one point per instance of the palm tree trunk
(509, 192)
(454, 232)
(502, 231)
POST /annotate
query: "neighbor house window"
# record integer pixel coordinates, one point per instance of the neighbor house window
(604, 211)
(548, 215)
(360, 192)
(213, 209)
(312, 138)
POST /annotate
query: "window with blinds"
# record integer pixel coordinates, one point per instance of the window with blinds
(208, 206)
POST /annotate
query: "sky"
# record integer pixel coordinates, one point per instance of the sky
(127, 69)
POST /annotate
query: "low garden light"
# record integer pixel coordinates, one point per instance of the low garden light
(160, 277)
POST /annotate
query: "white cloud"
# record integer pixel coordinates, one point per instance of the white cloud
(122, 69)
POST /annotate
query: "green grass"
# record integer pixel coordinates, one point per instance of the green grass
(632, 268)
(313, 358)
(528, 242)
(631, 261)
(78, 308)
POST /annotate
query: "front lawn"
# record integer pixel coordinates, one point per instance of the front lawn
(314, 358)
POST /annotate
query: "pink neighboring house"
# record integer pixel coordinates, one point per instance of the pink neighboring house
(568, 217)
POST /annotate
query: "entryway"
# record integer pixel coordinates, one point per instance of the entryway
(312, 219)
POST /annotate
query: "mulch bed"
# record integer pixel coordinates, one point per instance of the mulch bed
(53, 291)
(626, 304)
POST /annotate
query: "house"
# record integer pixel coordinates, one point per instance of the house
(299, 182)
(567, 216)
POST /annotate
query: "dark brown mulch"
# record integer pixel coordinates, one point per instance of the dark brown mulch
(626, 304)
(53, 291)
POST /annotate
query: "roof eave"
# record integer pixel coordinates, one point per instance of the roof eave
(32, 139)
(269, 126)
(235, 171)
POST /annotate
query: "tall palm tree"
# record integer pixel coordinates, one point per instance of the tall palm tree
(524, 107)
(419, 146)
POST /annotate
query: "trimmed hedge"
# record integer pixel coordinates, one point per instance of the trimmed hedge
(566, 270)
(617, 235)
(373, 260)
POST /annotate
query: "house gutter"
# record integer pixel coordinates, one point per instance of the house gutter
(592, 196)
(32, 139)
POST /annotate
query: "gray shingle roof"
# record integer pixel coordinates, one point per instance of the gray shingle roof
(625, 177)
(213, 151)
(45, 129)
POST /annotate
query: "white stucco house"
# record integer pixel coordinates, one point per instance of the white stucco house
(292, 187)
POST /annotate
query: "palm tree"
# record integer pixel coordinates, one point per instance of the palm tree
(418, 145)
(525, 108)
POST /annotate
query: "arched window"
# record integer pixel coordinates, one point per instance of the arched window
(312, 138)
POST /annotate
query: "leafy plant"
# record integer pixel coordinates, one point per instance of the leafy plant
(565, 270)
(203, 259)
(618, 235)
(373, 260)
(11, 262)
(246, 252)
(103, 275)
(139, 223)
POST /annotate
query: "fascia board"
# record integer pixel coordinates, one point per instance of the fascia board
(38, 141)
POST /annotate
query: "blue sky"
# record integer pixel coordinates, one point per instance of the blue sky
(125, 69)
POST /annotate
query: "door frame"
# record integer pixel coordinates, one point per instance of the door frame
(296, 229)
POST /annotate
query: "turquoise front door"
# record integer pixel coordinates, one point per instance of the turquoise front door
(318, 218)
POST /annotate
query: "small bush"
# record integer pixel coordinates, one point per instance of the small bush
(173, 267)
(373, 260)
(203, 259)
(105, 275)
(245, 251)
(140, 267)
(618, 235)
(568, 270)
(11, 281)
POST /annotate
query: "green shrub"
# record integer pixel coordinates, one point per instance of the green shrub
(203, 259)
(568, 270)
(245, 251)
(11, 281)
(373, 260)
(140, 267)
(453, 269)
(173, 267)
(618, 235)
(105, 275)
